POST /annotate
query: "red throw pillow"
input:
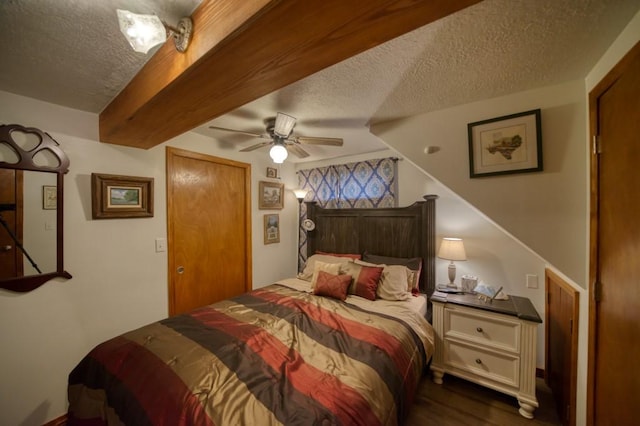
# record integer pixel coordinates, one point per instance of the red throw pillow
(332, 285)
(367, 282)
(365, 279)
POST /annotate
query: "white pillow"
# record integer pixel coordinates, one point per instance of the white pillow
(307, 273)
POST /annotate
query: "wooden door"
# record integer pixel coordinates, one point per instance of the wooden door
(11, 183)
(209, 229)
(614, 381)
(561, 344)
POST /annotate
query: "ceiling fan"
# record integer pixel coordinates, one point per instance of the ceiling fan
(279, 136)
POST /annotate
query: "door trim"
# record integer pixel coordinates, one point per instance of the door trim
(607, 81)
(172, 152)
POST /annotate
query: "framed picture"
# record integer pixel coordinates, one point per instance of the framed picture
(271, 228)
(504, 145)
(49, 197)
(271, 195)
(272, 172)
(115, 196)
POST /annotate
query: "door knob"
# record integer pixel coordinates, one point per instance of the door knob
(180, 269)
(6, 248)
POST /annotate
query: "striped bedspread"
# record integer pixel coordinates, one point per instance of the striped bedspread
(273, 356)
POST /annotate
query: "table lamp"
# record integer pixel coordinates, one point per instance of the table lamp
(452, 249)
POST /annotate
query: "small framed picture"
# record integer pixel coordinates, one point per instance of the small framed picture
(115, 196)
(272, 172)
(270, 195)
(271, 228)
(49, 197)
(504, 145)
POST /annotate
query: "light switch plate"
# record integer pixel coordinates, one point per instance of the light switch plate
(161, 245)
(532, 281)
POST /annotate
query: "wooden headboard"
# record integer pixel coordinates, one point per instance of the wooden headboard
(398, 232)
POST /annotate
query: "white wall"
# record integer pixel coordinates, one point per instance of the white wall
(119, 281)
(544, 210)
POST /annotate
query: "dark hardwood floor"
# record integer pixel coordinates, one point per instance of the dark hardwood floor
(458, 402)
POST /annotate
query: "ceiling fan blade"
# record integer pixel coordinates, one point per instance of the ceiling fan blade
(255, 135)
(256, 146)
(297, 151)
(307, 140)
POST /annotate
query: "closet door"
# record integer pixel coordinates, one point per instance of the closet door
(208, 229)
(614, 383)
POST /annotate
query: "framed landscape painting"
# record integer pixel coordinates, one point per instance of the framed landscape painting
(115, 196)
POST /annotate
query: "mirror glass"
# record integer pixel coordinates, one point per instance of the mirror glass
(32, 168)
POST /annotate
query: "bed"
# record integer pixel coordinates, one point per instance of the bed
(289, 353)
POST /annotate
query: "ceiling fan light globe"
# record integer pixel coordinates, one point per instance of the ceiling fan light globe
(278, 154)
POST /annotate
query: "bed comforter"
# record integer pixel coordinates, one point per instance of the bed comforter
(273, 356)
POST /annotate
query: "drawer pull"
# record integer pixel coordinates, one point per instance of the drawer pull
(479, 329)
(478, 361)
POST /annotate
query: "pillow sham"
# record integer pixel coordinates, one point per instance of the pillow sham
(353, 256)
(413, 263)
(393, 281)
(307, 273)
(331, 285)
(365, 279)
(332, 268)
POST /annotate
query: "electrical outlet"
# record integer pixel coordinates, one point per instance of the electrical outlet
(532, 281)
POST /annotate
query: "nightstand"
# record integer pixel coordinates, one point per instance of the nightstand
(492, 344)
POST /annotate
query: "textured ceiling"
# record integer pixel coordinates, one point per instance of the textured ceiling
(70, 52)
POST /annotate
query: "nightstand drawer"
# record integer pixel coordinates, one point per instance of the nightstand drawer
(503, 368)
(483, 327)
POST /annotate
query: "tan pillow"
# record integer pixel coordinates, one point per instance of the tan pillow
(331, 268)
(307, 273)
(393, 282)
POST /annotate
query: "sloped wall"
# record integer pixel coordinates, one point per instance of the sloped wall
(545, 210)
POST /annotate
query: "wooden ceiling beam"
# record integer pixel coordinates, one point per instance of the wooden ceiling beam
(243, 50)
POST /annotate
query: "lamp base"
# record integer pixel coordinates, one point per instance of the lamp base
(452, 275)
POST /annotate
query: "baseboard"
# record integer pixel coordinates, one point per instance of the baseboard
(60, 421)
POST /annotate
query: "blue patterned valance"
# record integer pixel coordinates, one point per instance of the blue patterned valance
(363, 184)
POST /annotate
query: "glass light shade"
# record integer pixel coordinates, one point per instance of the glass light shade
(300, 193)
(452, 249)
(278, 153)
(284, 125)
(141, 31)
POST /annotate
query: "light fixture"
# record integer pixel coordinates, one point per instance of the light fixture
(284, 125)
(278, 152)
(452, 249)
(146, 31)
(300, 194)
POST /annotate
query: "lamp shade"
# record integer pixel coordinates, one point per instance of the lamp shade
(300, 193)
(278, 153)
(284, 125)
(141, 31)
(452, 249)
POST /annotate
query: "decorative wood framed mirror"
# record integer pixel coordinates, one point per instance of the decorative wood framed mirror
(32, 168)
